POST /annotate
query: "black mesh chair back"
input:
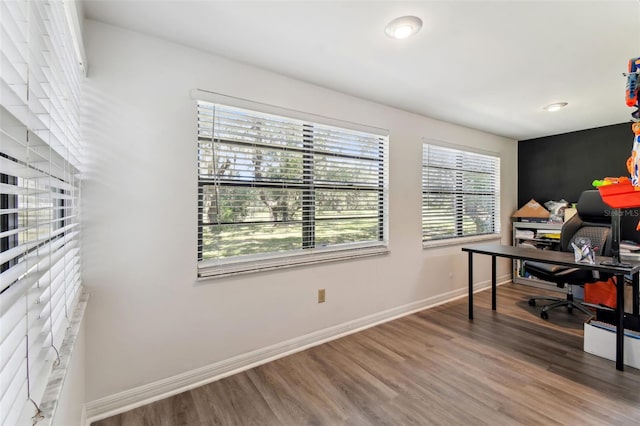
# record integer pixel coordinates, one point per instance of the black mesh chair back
(592, 222)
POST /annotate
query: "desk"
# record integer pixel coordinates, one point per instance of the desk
(563, 259)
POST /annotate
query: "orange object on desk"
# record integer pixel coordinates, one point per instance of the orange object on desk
(620, 195)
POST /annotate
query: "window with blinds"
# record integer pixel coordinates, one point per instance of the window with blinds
(460, 193)
(276, 191)
(39, 199)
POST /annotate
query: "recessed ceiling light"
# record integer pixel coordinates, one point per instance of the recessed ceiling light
(556, 106)
(403, 27)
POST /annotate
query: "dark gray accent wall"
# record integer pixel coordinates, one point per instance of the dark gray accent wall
(562, 166)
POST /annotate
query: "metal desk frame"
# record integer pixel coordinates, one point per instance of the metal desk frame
(563, 259)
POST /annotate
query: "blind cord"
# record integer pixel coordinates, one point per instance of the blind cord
(38, 414)
(56, 362)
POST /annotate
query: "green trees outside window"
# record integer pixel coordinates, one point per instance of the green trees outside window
(460, 193)
(270, 184)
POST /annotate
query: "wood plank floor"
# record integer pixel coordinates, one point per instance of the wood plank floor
(430, 368)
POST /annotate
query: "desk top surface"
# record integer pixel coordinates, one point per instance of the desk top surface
(554, 257)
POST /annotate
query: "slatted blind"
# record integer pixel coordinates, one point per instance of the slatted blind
(39, 198)
(271, 187)
(460, 193)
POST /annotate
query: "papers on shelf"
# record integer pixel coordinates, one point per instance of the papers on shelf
(551, 234)
(525, 233)
(633, 256)
(629, 247)
(528, 245)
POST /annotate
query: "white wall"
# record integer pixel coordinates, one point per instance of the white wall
(148, 318)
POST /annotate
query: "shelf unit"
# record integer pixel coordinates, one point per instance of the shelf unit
(529, 233)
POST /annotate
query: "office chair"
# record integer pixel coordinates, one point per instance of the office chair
(592, 222)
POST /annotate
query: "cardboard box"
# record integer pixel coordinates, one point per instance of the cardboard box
(532, 209)
(569, 212)
(601, 342)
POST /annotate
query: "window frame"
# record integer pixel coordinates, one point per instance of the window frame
(460, 238)
(307, 253)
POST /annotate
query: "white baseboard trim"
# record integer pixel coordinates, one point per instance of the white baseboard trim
(83, 416)
(155, 391)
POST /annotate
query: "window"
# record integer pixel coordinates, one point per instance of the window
(276, 191)
(460, 193)
(39, 199)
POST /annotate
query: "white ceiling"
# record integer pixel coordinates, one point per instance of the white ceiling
(489, 65)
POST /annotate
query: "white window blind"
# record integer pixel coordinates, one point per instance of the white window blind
(277, 191)
(460, 193)
(39, 198)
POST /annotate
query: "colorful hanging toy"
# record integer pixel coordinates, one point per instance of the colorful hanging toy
(633, 163)
(633, 101)
(625, 192)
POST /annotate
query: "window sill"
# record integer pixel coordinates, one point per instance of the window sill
(56, 380)
(459, 241)
(210, 270)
